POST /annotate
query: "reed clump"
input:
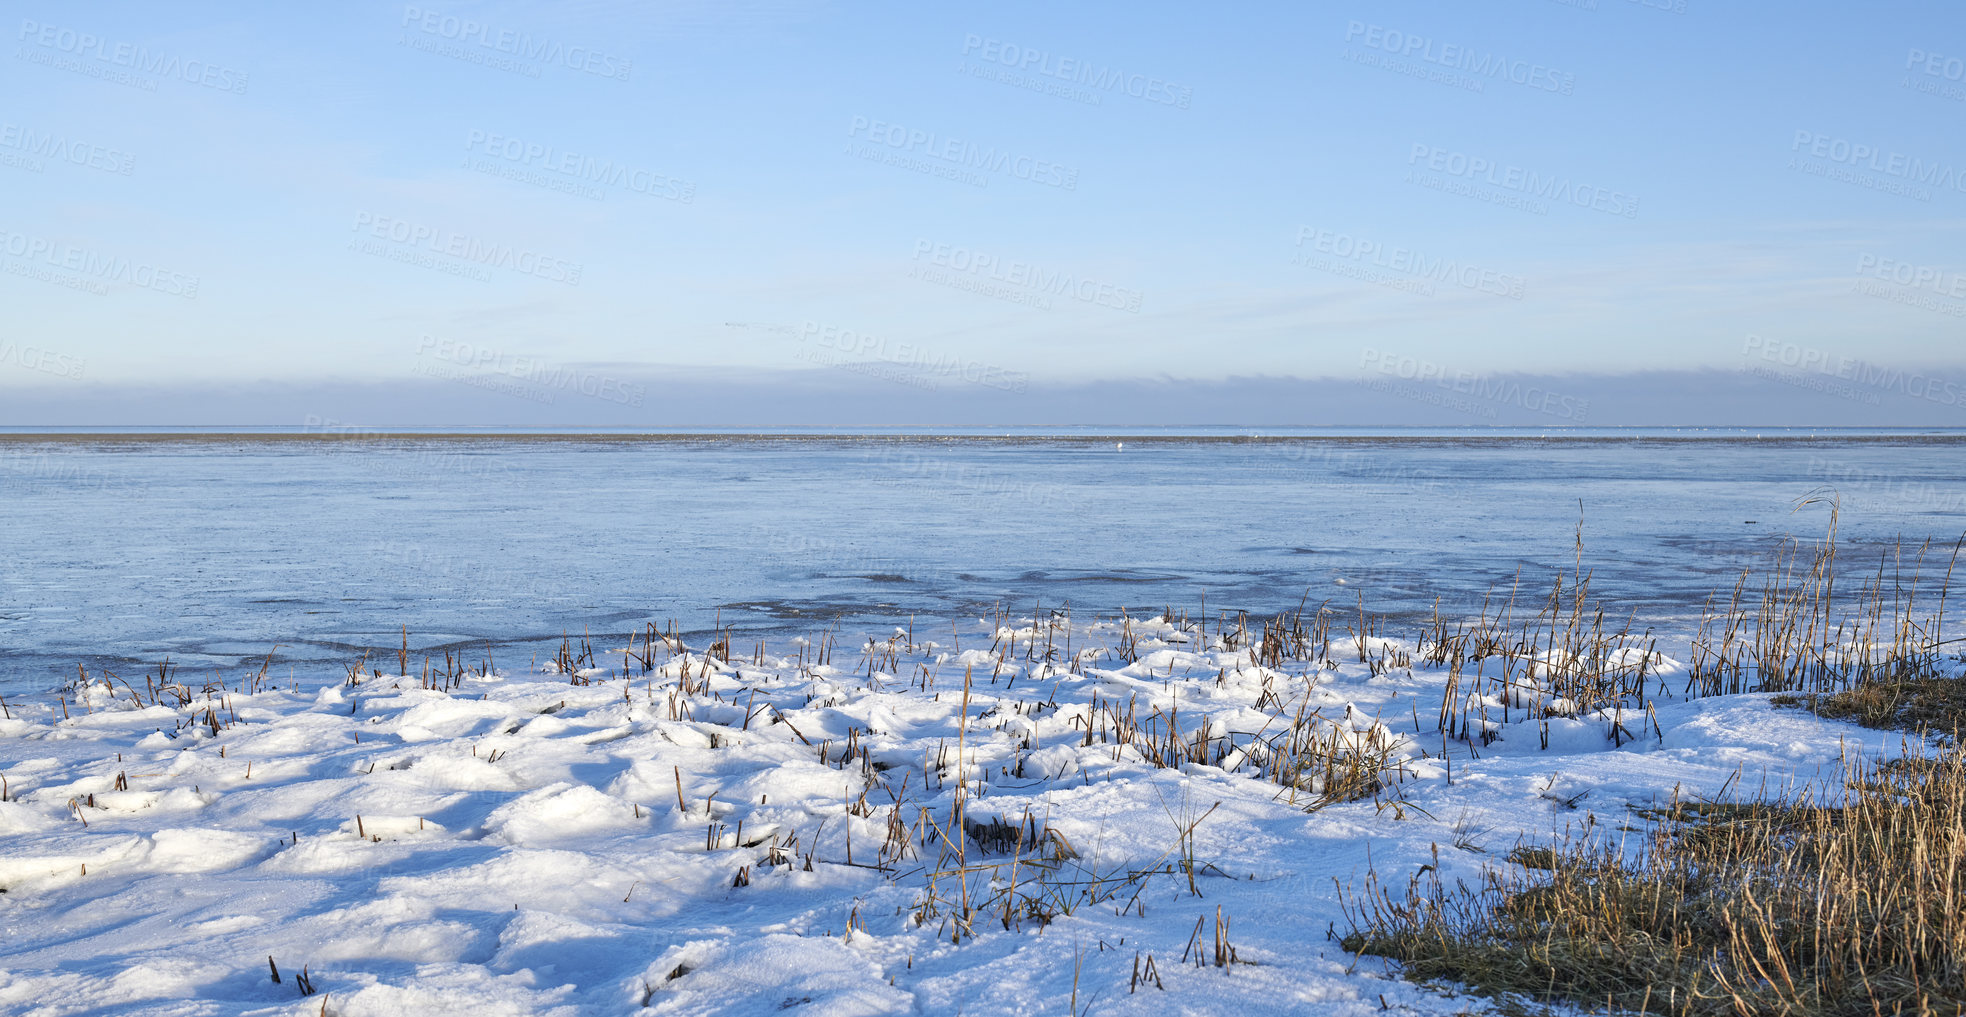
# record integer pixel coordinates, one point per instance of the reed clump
(1926, 703)
(1801, 635)
(1825, 901)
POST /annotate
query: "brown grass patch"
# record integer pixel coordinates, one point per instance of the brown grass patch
(1831, 903)
(1924, 703)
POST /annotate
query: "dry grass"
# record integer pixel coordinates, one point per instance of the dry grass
(1846, 901)
(1867, 647)
(1930, 703)
(1800, 636)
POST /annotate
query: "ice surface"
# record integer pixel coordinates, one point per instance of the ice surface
(120, 551)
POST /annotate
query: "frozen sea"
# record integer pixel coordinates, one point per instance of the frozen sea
(124, 548)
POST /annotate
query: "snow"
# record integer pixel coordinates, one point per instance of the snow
(513, 843)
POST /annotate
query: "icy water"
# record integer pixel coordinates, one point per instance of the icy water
(122, 549)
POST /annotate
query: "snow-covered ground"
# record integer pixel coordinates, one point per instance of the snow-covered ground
(513, 843)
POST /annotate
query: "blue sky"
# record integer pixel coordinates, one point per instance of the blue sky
(205, 196)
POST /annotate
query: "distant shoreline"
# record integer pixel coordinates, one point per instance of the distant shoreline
(1199, 435)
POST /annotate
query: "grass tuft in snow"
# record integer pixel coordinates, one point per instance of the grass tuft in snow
(1840, 901)
(1933, 703)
